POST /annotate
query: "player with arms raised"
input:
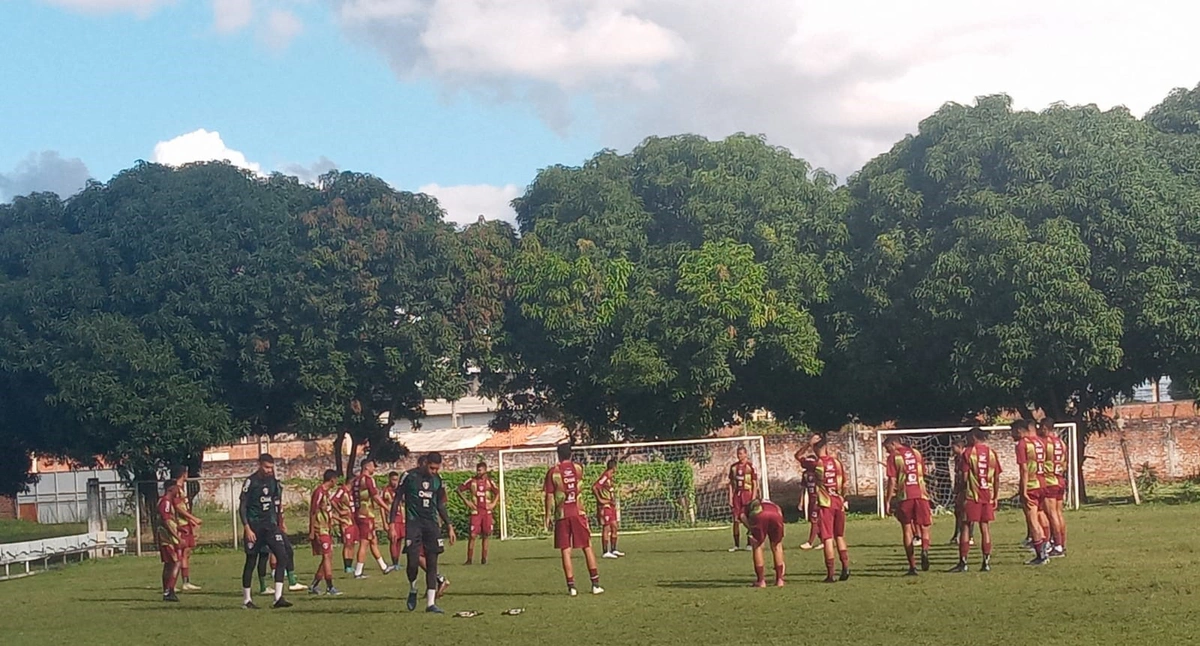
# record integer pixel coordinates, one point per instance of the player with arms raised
(1055, 471)
(423, 497)
(906, 486)
(1031, 458)
(565, 517)
(807, 505)
(743, 483)
(365, 497)
(606, 510)
(764, 521)
(320, 532)
(981, 477)
(480, 495)
(831, 478)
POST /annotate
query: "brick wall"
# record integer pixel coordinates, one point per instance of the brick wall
(8, 508)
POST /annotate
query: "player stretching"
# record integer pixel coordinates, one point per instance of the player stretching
(807, 504)
(606, 510)
(764, 521)
(480, 495)
(831, 509)
(906, 485)
(1031, 456)
(564, 515)
(169, 543)
(424, 498)
(1056, 485)
(743, 483)
(362, 494)
(260, 510)
(395, 529)
(320, 530)
(980, 474)
(343, 511)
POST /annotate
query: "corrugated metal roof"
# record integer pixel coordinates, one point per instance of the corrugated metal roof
(450, 439)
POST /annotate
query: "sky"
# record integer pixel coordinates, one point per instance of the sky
(467, 99)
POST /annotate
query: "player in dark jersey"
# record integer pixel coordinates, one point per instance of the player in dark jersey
(480, 496)
(260, 510)
(364, 496)
(423, 496)
(566, 518)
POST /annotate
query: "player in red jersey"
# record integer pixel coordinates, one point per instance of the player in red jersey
(565, 517)
(396, 527)
(1055, 472)
(807, 504)
(831, 519)
(168, 537)
(980, 475)
(957, 448)
(188, 525)
(364, 494)
(1031, 457)
(320, 532)
(607, 512)
(480, 495)
(906, 486)
(743, 485)
(343, 510)
(764, 521)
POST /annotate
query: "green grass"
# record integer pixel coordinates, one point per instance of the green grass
(1131, 574)
(16, 531)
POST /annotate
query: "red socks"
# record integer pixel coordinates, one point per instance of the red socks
(829, 567)
(987, 549)
(778, 573)
(844, 557)
(595, 574)
(758, 573)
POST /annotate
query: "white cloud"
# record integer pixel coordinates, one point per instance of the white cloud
(280, 29)
(200, 145)
(836, 82)
(232, 15)
(465, 203)
(311, 172)
(45, 171)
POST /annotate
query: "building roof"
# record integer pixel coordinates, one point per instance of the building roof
(464, 406)
(449, 439)
(526, 436)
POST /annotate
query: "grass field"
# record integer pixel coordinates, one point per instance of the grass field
(1131, 575)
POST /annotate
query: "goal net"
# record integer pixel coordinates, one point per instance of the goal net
(935, 444)
(658, 485)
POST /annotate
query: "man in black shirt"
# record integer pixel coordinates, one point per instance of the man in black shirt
(261, 512)
(423, 496)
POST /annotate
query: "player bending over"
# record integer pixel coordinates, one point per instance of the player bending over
(320, 532)
(764, 521)
(807, 505)
(607, 513)
(743, 483)
(480, 495)
(423, 497)
(343, 511)
(395, 530)
(364, 494)
(831, 505)
(906, 486)
(1031, 457)
(1055, 470)
(565, 517)
(260, 510)
(980, 473)
(169, 541)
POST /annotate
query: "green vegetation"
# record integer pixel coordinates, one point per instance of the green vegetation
(1129, 576)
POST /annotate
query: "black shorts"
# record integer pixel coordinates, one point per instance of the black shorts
(268, 541)
(423, 533)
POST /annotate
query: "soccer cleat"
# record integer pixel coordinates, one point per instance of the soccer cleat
(830, 579)
(466, 614)
(916, 541)
(443, 583)
(171, 597)
(735, 548)
(953, 540)
(759, 584)
(387, 570)
(845, 574)
(779, 583)
(513, 612)
(282, 603)
(971, 542)
(350, 570)
(924, 561)
(806, 546)
(747, 548)
(1037, 561)
(572, 591)
(987, 564)
(333, 592)
(435, 610)
(297, 587)
(597, 589)
(314, 590)
(412, 601)
(249, 605)
(466, 562)
(618, 553)
(912, 571)
(1058, 552)
(359, 577)
(961, 567)
(608, 555)
(190, 587)
(483, 561)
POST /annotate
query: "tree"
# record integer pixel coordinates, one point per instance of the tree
(649, 284)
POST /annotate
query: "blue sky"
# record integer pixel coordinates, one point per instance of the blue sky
(468, 98)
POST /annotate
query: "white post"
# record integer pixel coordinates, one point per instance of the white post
(1076, 467)
(503, 507)
(879, 481)
(137, 515)
(233, 511)
(762, 465)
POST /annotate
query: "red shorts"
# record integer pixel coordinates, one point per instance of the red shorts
(740, 500)
(572, 532)
(169, 553)
(1055, 492)
(767, 525)
(481, 524)
(323, 546)
(366, 528)
(187, 537)
(979, 512)
(914, 511)
(607, 515)
(396, 530)
(831, 521)
(1033, 499)
(349, 534)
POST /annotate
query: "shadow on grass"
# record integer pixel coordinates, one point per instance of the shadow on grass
(704, 584)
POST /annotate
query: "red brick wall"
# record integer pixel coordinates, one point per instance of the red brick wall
(8, 508)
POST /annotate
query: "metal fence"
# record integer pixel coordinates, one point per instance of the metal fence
(62, 497)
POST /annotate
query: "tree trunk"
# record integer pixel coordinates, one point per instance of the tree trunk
(353, 456)
(338, 443)
(195, 461)
(146, 485)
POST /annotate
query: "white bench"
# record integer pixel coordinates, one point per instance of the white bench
(23, 554)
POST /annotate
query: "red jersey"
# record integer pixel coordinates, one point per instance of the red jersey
(167, 520)
(363, 494)
(830, 478)
(562, 480)
(1056, 462)
(906, 468)
(763, 511)
(481, 490)
(389, 496)
(343, 509)
(1031, 456)
(321, 520)
(603, 489)
(981, 472)
(742, 477)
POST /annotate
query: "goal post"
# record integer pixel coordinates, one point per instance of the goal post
(680, 484)
(935, 445)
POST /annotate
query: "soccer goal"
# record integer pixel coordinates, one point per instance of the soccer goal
(659, 485)
(935, 445)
